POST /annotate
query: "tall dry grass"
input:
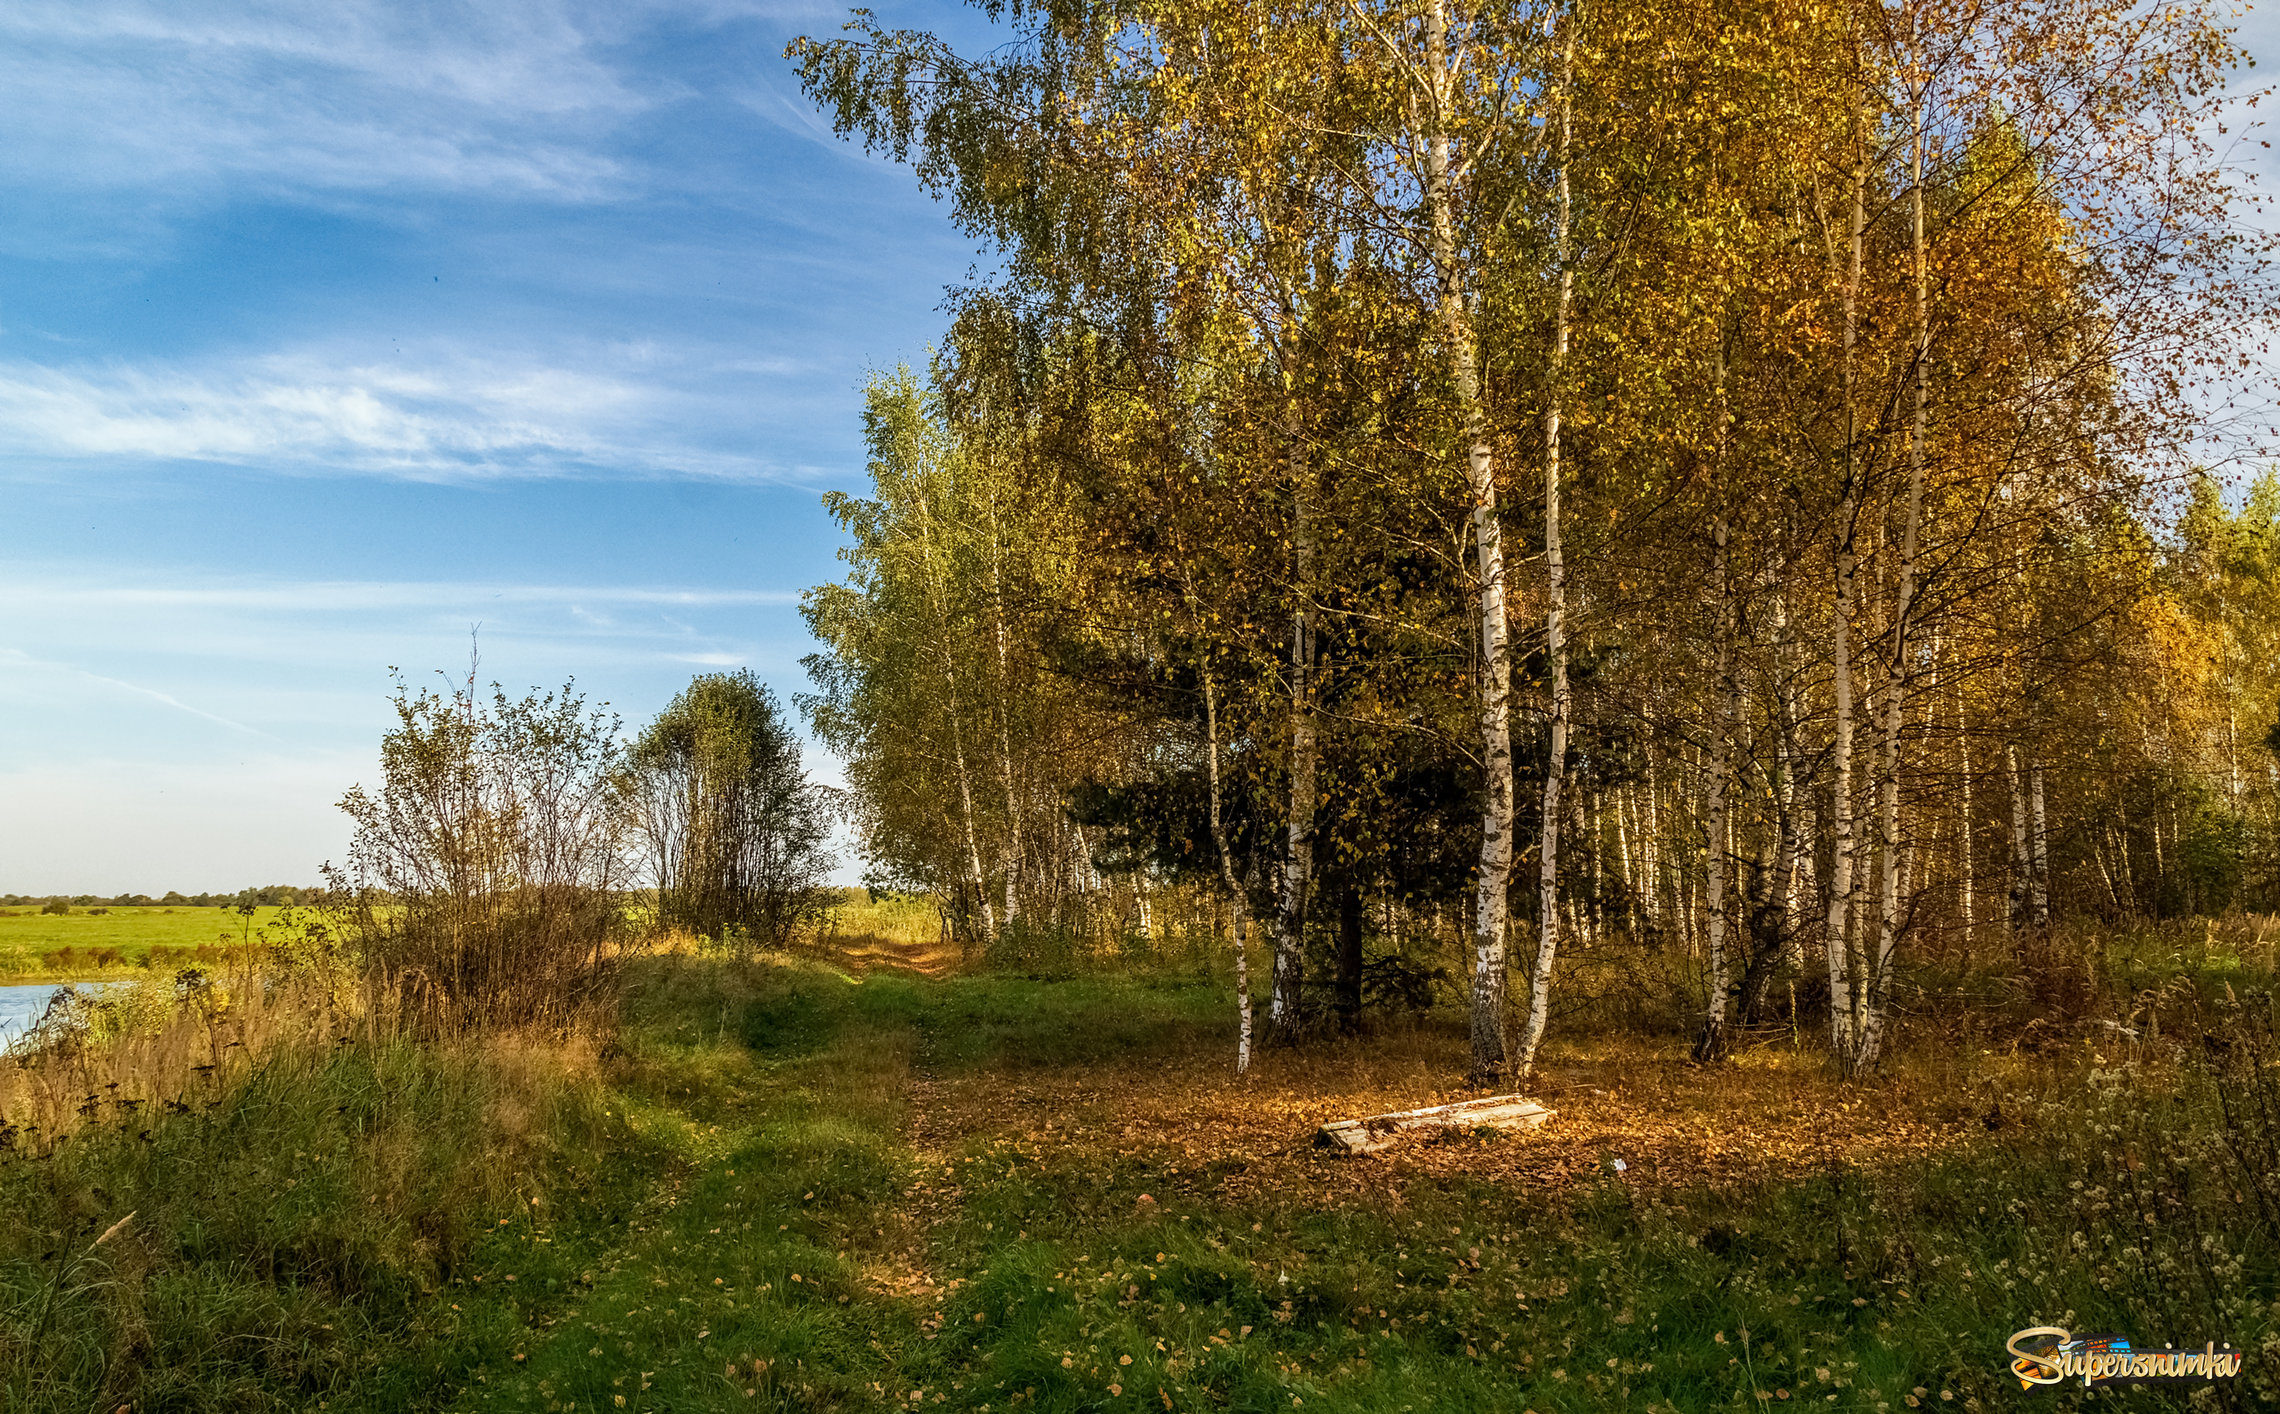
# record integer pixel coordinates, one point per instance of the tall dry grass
(233, 1192)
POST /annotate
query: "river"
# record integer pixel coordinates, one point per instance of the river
(21, 1006)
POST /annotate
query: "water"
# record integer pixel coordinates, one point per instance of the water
(21, 1006)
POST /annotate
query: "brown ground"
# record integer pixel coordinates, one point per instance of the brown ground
(1769, 1115)
(1669, 1121)
(868, 952)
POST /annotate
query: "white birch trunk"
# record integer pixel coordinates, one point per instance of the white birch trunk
(1012, 851)
(2040, 874)
(1869, 1042)
(1555, 585)
(1595, 816)
(1651, 844)
(1461, 347)
(1713, 1040)
(1227, 880)
(1625, 809)
(2098, 852)
(1795, 837)
(974, 876)
(1966, 903)
(2022, 865)
(1298, 858)
(1842, 979)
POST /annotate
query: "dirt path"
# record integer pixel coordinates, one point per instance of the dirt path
(868, 952)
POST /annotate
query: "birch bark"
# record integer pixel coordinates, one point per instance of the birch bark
(1298, 859)
(1869, 1041)
(1841, 978)
(1461, 348)
(2022, 865)
(1963, 818)
(1555, 589)
(1712, 1042)
(1227, 878)
(944, 637)
(2039, 875)
(1013, 859)
(1795, 838)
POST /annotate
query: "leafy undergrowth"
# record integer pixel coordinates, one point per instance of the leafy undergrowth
(797, 1188)
(1000, 1194)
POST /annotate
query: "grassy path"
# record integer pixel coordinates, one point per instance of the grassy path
(746, 1277)
(794, 1187)
(865, 1208)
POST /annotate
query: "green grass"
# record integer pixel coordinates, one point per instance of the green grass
(92, 943)
(773, 1198)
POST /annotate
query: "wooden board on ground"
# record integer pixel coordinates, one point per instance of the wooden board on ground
(1361, 1136)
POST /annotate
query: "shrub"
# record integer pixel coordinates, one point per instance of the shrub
(484, 871)
(734, 829)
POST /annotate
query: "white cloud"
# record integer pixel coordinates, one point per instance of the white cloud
(350, 94)
(320, 596)
(454, 415)
(503, 97)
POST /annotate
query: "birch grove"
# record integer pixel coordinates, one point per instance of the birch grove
(1618, 492)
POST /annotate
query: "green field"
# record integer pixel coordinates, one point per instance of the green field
(792, 1187)
(42, 947)
(85, 944)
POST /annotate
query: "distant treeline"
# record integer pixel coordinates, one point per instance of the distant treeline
(268, 896)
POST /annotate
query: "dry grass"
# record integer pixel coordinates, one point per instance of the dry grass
(146, 1046)
(169, 1045)
(243, 1194)
(904, 922)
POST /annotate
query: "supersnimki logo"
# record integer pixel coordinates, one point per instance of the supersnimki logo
(2049, 1355)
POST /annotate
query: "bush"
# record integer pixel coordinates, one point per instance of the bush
(1036, 950)
(735, 831)
(58, 907)
(72, 958)
(484, 872)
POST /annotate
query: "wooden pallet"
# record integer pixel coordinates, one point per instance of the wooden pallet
(1362, 1136)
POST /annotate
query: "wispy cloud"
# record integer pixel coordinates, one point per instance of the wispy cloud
(292, 648)
(350, 94)
(16, 661)
(375, 596)
(453, 416)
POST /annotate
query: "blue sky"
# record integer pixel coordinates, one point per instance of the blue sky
(328, 331)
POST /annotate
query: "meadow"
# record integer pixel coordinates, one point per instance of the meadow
(85, 944)
(868, 1177)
